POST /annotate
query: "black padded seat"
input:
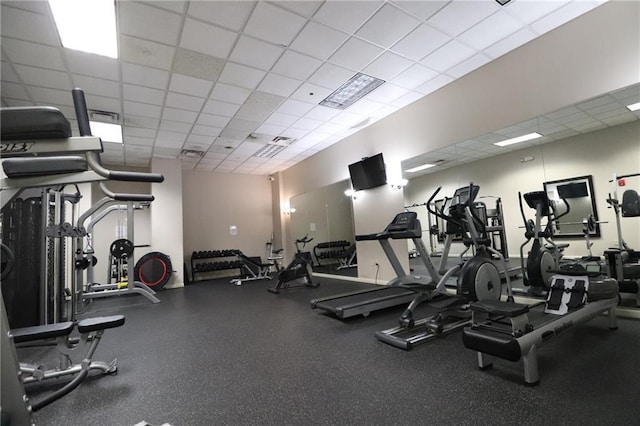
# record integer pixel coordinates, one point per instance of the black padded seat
(100, 323)
(43, 166)
(39, 332)
(27, 123)
(496, 307)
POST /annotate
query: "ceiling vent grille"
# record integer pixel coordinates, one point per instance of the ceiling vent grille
(104, 116)
(273, 147)
(191, 154)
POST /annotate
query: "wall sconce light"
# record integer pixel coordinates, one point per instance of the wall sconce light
(288, 212)
(400, 184)
(350, 193)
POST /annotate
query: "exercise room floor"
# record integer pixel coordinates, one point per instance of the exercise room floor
(214, 353)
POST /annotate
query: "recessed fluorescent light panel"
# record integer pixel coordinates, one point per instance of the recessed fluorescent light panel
(106, 131)
(634, 107)
(519, 139)
(418, 168)
(87, 25)
(357, 87)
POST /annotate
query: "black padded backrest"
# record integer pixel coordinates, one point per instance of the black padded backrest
(33, 123)
(630, 203)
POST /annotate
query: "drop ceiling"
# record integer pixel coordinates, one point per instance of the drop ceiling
(226, 78)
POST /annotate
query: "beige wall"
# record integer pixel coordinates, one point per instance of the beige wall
(593, 54)
(599, 154)
(213, 202)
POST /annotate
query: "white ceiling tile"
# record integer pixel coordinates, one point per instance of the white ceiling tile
(200, 140)
(509, 43)
(28, 26)
(304, 8)
(395, 22)
(448, 56)
(307, 40)
(355, 54)
(38, 55)
(14, 90)
(198, 36)
(311, 93)
(224, 109)
(387, 66)
(137, 132)
(143, 110)
(145, 52)
(457, 16)
(386, 93)
(8, 74)
(146, 123)
(148, 95)
(256, 53)
(469, 65)
(241, 75)
(323, 113)
(420, 42)
(346, 16)
(563, 15)
(49, 97)
(44, 77)
(407, 99)
(212, 120)
(131, 148)
(198, 65)
(148, 22)
(421, 9)
(296, 65)
(294, 107)
(103, 103)
(278, 119)
(491, 30)
(40, 7)
(364, 107)
(273, 24)
(270, 129)
(144, 76)
(92, 65)
(206, 131)
(228, 14)
(414, 76)
(331, 76)
(227, 93)
(138, 141)
(16, 102)
(305, 123)
(175, 126)
(259, 106)
(180, 101)
(170, 139)
(190, 85)
(530, 11)
(279, 85)
(172, 5)
(179, 115)
(96, 86)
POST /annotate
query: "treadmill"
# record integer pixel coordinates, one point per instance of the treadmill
(400, 290)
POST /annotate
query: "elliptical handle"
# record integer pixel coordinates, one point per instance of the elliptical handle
(430, 200)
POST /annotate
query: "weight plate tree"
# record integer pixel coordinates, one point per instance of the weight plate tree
(154, 270)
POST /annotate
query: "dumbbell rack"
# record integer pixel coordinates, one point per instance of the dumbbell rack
(199, 267)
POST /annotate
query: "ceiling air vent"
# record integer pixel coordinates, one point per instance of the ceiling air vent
(104, 116)
(276, 145)
(191, 153)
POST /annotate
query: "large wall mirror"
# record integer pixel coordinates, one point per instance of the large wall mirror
(577, 193)
(326, 215)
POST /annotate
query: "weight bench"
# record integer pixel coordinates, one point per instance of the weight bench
(91, 331)
(255, 268)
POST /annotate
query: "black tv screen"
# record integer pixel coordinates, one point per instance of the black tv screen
(368, 173)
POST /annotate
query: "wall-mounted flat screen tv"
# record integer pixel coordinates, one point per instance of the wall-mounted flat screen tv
(368, 173)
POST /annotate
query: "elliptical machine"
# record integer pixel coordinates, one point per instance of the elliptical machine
(299, 270)
(543, 260)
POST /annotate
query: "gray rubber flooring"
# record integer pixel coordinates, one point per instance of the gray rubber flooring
(214, 353)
